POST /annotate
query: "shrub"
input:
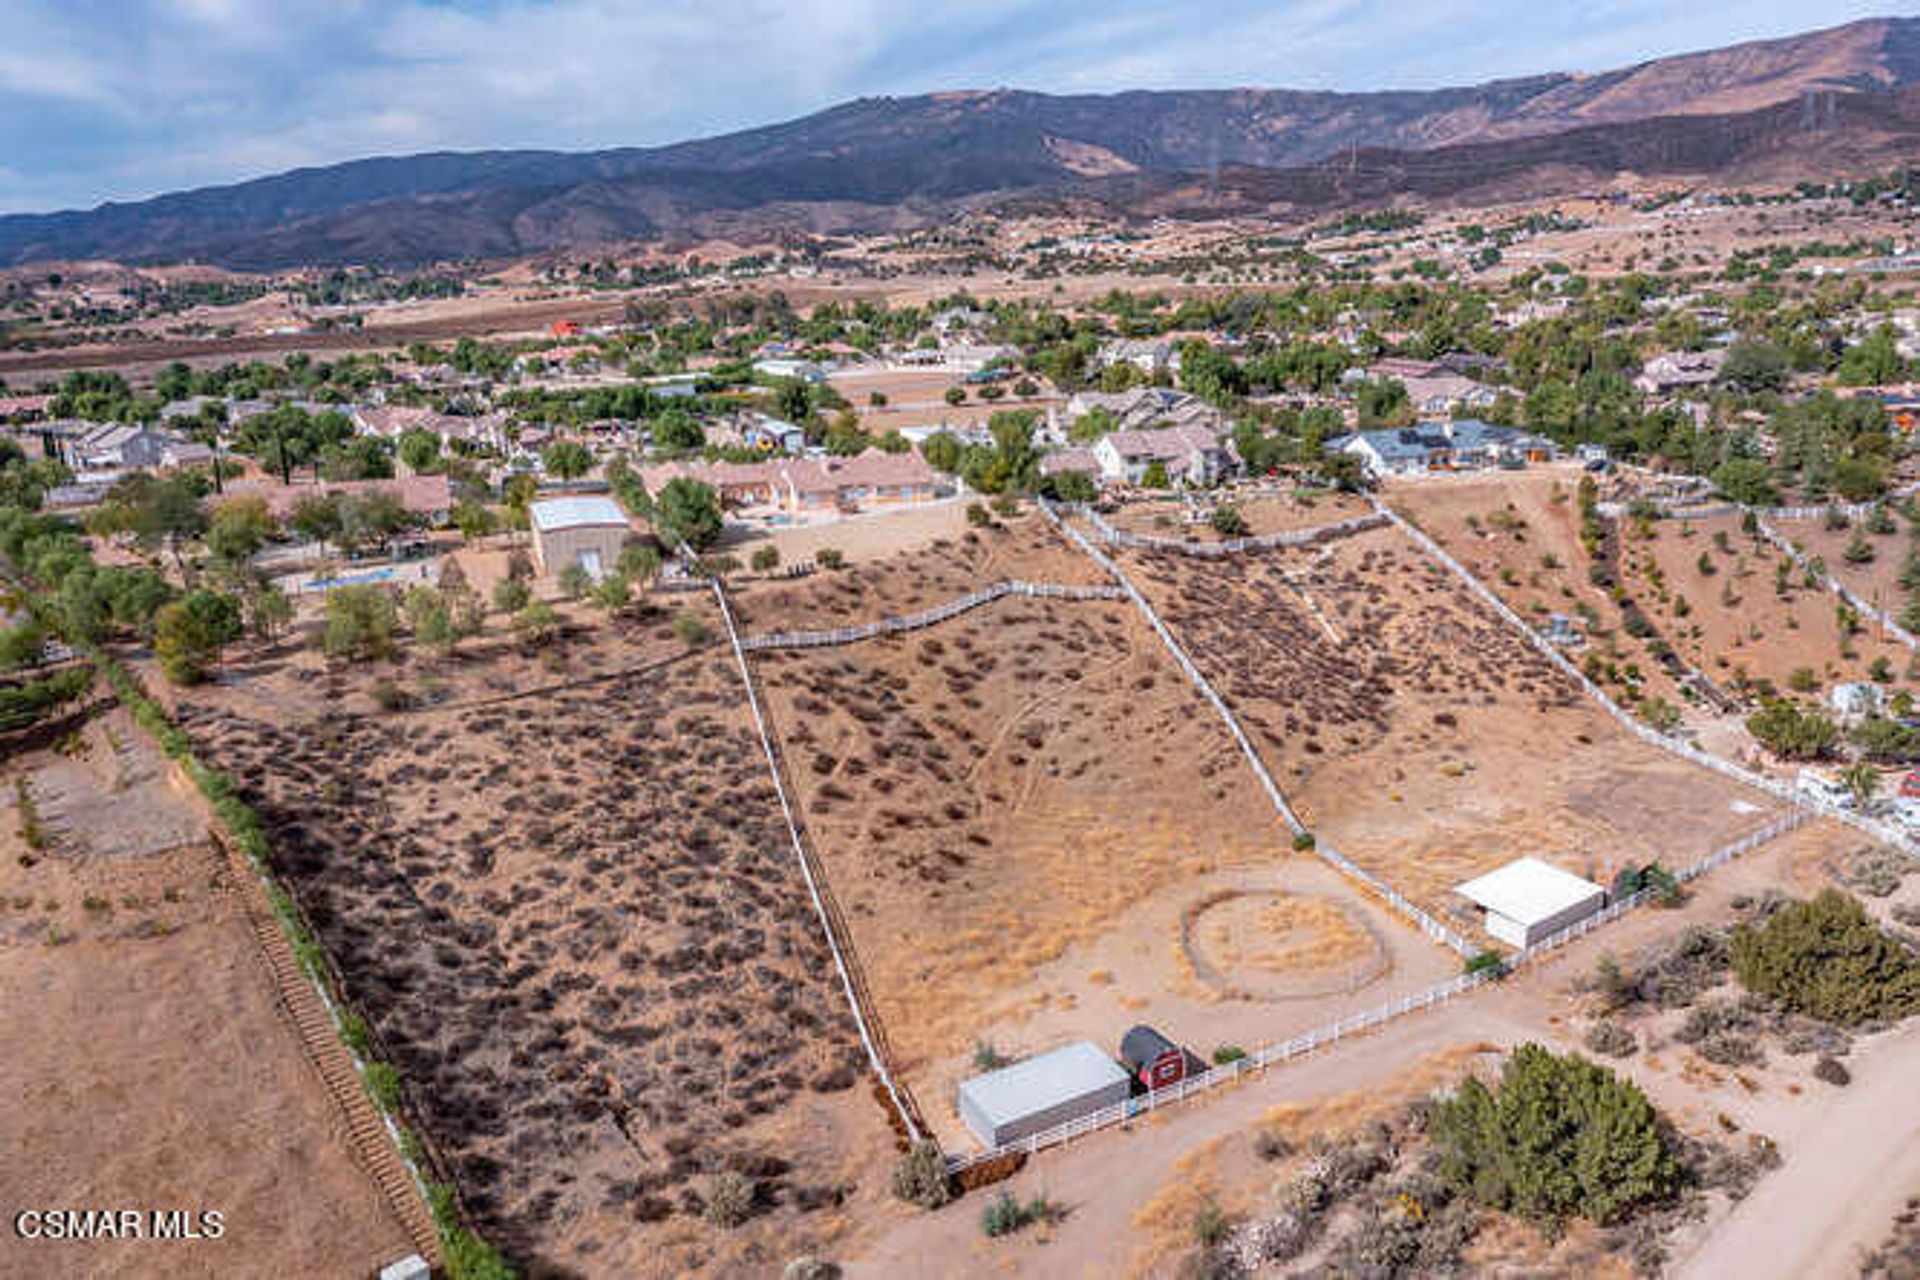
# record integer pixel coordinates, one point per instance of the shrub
(812, 1268)
(1228, 522)
(511, 595)
(1486, 962)
(829, 558)
(1825, 958)
(1303, 842)
(689, 629)
(1731, 1049)
(1832, 1071)
(1209, 1224)
(383, 1086)
(1611, 1040)
(1793, 734)
(766, 559)
(1559, 1137)
(921, 1176)
(728, 1199)
(986, 1057)
(1003, 1215)
(1006, 504)
(1228, 1053)
(389, 696)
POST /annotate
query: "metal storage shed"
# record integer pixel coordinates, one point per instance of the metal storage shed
(1528, 900)
(587, 531)
(1034, 1095)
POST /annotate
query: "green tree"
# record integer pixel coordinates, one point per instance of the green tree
(687, 511)
(239, 528)
(1793, 734)
(1754, 365)
(575, 581)
(189, 634)
(942, 452)
(420, 450)
(1824, 957)
(1560, 1137)
(1748, 481)
(566, 460)
(1155, 476)
(360, 624)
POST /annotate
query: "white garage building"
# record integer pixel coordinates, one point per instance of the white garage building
(1040, 1092)
(1528, 900)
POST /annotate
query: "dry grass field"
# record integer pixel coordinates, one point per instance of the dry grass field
(1023, 547)
(1025, 814)
(1272, 511)
(148, 1062)
(574, 923)
(1519, 533)
(1876, 580)
(1417, 731)
(1741, 620)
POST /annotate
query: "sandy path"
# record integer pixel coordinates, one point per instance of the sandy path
(1849, 1167)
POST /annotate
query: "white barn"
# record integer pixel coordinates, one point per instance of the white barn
(1528, 900)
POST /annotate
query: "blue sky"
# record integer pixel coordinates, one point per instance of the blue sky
(120, 99)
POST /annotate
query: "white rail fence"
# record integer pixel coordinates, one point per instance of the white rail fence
(1676, 746)
(1427, 923)
(875, 1057)
(1308, 1042)
(928, 617)
(1117, 537)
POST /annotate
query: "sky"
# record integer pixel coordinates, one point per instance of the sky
(123, 99)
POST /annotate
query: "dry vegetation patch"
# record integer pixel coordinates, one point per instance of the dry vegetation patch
(988, 793)
(1023, 547)
(576, 927)
(1417, 731)
(148, 1061)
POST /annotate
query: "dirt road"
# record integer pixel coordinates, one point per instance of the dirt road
(1849, 1167)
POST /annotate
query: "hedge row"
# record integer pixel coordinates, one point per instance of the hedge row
(468, 1256)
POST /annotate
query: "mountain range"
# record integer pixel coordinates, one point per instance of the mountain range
(1816, 105)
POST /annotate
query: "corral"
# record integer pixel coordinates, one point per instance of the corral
(1749, 614)
(149, 1060)
(573, 922)
(1420, 733)
(1023, 812)
(1265, 511)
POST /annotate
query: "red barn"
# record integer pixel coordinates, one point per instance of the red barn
(1152, 1059)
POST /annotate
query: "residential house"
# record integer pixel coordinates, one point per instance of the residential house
(1148, 356)
(870, 479)
(429, 497)
(1458, 444)
(791, 367)
(1678, 370)
(118, 447)
(1191, 453)
(1145, 408)
(24, 408)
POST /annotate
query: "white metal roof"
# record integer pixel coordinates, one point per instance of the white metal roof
(1528, 890)
(1042, 1081)
(572, 513)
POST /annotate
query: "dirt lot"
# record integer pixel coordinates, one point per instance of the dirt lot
(1420, 733)
(1266, 510)
(1519, 533)
(575, 925)
(1876, 580)
(1738, 623)
(148, 1062)
(916, 578)
(1130, 1195)
(1039, 833)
